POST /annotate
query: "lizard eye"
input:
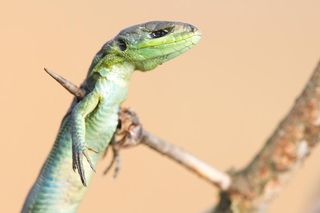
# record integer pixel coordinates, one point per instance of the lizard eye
(122, 44)
(159, 33)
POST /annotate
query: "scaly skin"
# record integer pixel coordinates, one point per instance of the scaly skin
(88, 127)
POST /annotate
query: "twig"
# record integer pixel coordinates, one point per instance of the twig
(131, 134)
(69, 86)
(189, 161)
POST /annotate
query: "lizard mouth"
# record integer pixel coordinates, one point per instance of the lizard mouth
(182, 45)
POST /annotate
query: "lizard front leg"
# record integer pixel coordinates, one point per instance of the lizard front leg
(78, 130)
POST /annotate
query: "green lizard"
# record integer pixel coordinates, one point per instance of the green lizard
(90, 123)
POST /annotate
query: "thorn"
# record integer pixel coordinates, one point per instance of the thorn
(68, 85)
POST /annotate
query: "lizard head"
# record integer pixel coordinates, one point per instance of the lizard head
(153, 43)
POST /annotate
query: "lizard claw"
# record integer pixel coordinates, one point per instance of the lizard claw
(77, 161)
(128, 134)
(115, 161)
(85, 153)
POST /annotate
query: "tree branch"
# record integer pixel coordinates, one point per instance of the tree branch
(284, 152)
(189, 161)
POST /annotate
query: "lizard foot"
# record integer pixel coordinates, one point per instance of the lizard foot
(128, 134)
(77, 161)
(116, 160)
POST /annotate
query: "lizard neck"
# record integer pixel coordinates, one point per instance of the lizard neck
(113, 80)
(119, 73)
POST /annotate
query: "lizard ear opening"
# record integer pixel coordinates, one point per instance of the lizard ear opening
(122, 44)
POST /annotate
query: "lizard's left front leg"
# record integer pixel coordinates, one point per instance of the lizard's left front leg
(79, 147)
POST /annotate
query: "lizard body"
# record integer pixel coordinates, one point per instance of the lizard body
(90, 123)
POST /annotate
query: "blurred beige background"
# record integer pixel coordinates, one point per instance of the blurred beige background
(221, 100)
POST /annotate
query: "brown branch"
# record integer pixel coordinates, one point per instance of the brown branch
(189, 161)
(69, 86)
(131, 133)
(283, 153)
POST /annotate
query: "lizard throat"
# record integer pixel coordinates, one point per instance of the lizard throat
(118, 73)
